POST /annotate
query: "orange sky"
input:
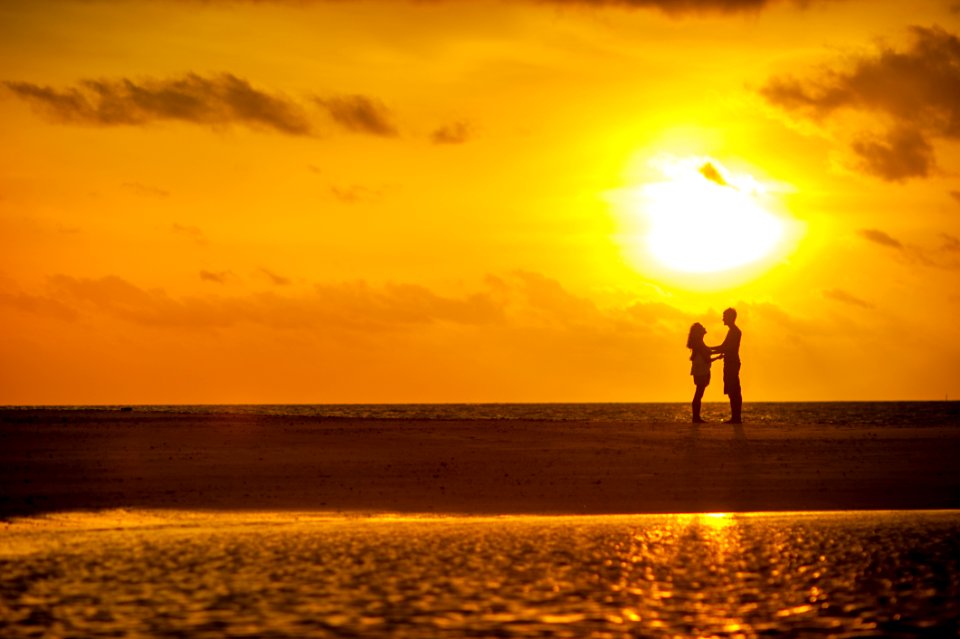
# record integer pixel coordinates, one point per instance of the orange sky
(357, 201)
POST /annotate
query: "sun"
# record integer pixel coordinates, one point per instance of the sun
(701, 218)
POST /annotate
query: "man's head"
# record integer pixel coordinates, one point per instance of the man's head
(729, 317)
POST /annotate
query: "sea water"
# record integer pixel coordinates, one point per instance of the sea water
(136, 574)
(836, 413)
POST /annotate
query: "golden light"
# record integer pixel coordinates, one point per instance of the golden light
(701, 218)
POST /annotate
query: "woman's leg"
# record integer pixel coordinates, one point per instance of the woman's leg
(697, 396)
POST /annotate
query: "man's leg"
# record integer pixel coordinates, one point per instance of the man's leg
(736, 404)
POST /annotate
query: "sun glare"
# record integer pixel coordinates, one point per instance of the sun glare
(700, 218)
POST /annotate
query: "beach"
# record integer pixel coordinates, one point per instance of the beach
(88, 460)
(211, 524)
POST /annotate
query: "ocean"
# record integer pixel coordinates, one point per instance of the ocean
(837, 413)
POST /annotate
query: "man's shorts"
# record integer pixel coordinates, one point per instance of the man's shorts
(731, 378)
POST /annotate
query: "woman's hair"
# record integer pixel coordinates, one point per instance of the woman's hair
(695, 336)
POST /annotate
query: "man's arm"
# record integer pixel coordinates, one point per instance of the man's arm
(722, 348)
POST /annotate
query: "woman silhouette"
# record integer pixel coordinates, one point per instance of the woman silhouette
(700, 367)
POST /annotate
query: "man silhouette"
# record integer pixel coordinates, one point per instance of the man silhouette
(730, 349)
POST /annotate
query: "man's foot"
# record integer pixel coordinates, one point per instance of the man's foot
(697, 420)
(732, 421)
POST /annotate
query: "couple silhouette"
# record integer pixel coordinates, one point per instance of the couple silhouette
(702, 356)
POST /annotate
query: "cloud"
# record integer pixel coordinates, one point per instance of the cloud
(355, 193)
(903, 153)
(276, 280)
(955, 195)
(455, 133)
(522, 298)
(685, 6)
(219, 277)
(360, 114)
(216, 101)
(189, 232)
(710, 172)
(352, 306)
(844, 297)
(673, 7)
(914, 93)
(146, 190)
(37, 305)
(879, 237)
(944, 256)
(951, 244)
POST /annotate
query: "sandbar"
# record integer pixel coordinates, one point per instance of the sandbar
(90, 460)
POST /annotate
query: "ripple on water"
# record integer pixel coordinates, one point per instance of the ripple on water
(841, 574)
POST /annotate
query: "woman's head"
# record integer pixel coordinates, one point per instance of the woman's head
(697, 331)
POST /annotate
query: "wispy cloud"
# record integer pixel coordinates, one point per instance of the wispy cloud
(355, 193)
(529, 298)
(839, 295)
(951, 244)
(276, 280)
(687, 6)
(454, 133)
(673, 7)
(879, 237)
(217, 277)
(190, 232)
(42, 305)
(146, 190)
(944, 256)
(216, 101)
(916, 89)
(347, 306)
(360, 114)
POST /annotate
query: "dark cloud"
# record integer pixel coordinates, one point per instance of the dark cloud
(879, 237)
(216, 101)
(710, 172)
(360, 114)
(955, 195)
(916, 89)
(903, 153)
(844, 297)
(455, 133)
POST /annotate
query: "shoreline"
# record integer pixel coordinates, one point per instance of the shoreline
(68, 460)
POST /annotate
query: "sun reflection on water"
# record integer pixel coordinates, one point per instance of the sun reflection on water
(717, 574)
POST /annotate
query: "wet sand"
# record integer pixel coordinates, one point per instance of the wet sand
(183, 574)
(90, 460)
